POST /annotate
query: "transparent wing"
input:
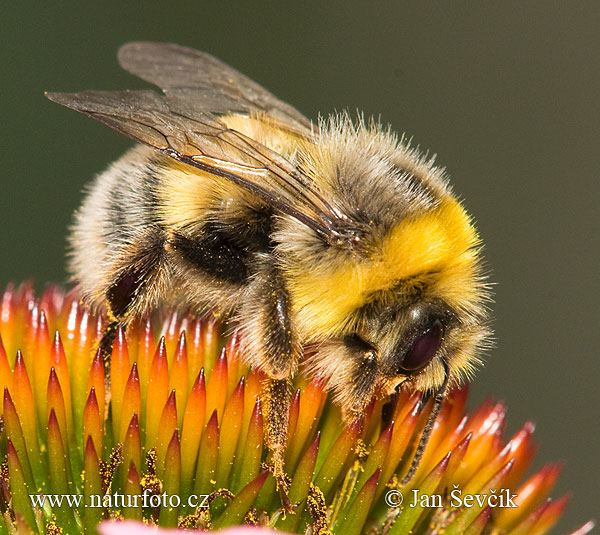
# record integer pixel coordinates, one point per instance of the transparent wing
(184, 123)
(201, 80)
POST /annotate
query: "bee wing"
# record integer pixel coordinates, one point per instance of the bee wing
(202, 80)
(184, 124)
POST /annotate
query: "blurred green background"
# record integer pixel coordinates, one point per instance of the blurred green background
(507, 94)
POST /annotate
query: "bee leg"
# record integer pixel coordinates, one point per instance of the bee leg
(271, 344)
(359, 383)
(122, 295)
(426, 433)
(104, 349)
(105, 346)
(278, 399)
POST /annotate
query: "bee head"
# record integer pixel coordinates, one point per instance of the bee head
(412, 312)
(421, 346)
(406, 302)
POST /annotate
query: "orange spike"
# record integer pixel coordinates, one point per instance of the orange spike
(249, 451)
(31, 319)
(96, 381)
(525, 526)
(145, 354)
(376, 457)
(6, 377)
(253, 389)
(402, 433)
(441, 441)
(522, 449)
(173, 447)
(57, 456)
(550, 515)
(41, 366)
(453, 437)
(132, 448)
(59, 362)
(513, 451)
(209, 450)
(193, 423)
(445, 441)
(211, 342)
(79, 355)
(529, 495)
(478, 525)
(171, 332)
(457, 454)
(230, 431)
(468, 514)
(195, 348)
(90, 447)
(92, 421)
(132, 401)
(77, 338)
(83, 336)
(71, 323)
(216, 390)
(179, 374)
(171, 481)
(92, 482)
(457, 398)
(100, 327)
(52, 302)
(486, 417)
(370, 424)
(23, 399)
(168, 425)
(308, 415)
(56, 404)
(119, 373)
(14, 431)
(336, 461)
(133, 489)
(405, 401)
(158, 392)
(486, 426)
(233, 363)
(442, 424)
(133, 336)
(7, 316)
(304, 471)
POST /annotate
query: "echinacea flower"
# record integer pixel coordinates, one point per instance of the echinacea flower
(176, 440)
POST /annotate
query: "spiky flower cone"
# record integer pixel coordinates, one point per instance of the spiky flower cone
(179, 440)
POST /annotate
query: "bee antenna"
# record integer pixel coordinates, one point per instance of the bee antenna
(426, 434)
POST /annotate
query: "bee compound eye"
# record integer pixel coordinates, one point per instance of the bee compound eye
(423, 349)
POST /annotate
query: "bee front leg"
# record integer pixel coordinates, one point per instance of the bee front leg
(106, 344)
(120, 297)
(278, 397)
(132, 292)
(271, 344)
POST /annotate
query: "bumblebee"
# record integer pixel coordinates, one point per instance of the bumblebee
(336, 236)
